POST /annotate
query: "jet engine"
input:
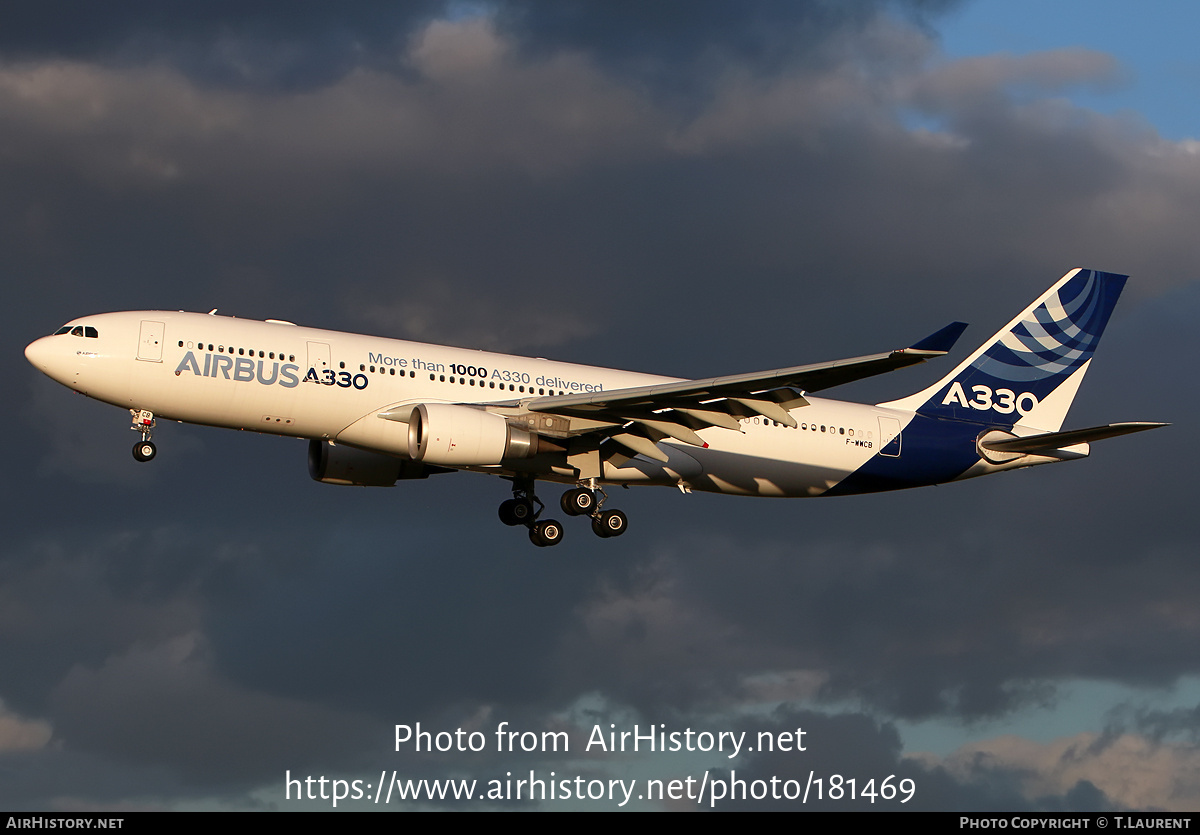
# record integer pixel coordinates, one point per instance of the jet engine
(460, 436)
(332, 464)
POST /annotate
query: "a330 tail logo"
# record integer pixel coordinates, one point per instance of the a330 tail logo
(1004, 401)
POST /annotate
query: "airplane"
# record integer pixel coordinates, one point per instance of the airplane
(376, 410)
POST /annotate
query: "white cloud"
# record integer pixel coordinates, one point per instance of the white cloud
(465, 50)
(20, 734)
(1133, 772)
(474, 107)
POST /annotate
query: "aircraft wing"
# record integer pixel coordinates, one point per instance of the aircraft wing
(647, 414)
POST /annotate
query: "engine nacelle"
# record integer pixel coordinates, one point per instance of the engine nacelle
(460, 436)
(330, 464)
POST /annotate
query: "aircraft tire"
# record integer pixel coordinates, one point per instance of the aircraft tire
(144, 451)
(507, 516)
(545, 534)
(578, 501)
(610, 523)
(522, 511)
(516, 512)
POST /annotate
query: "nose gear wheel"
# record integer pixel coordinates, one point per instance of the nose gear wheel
(143, 422)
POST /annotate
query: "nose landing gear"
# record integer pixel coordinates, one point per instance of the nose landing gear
(143, 422)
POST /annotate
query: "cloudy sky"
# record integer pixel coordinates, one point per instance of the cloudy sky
(690, 188)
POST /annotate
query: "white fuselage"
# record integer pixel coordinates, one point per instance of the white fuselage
(283, 379)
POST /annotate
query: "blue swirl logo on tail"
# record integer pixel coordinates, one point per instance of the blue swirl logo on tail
(1055, 338)
(1018, 368)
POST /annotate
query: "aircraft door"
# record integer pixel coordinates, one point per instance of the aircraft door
(318, 358)
(150, 341)
(889, 437)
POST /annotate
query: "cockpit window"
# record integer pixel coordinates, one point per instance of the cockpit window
(78, 330)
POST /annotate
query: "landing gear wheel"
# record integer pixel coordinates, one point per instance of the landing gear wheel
(516, 512)
(609, 523)
(506, 512)
(578, 502)
(144, 451)
(546, 533)
(523, 511)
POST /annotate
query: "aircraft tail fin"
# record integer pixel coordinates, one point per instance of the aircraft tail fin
(1029, 371)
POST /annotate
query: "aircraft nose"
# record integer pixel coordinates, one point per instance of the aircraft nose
(38, 353)
(48, 355)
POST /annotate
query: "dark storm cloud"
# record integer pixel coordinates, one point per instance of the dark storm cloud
(940, 609)
(253, 44)
(154, 704)
(475, 151)
(855, 744)
(507, 185)
(935, 618)
(681, 45)
(299, 45)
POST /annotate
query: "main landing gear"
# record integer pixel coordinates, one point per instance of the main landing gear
(520, 510)
(143, 421)
(589, 501)
(525, 508)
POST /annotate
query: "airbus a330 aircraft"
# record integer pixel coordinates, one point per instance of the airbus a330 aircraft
(378, 410)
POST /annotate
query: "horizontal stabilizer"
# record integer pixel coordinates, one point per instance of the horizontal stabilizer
(1058, 440)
